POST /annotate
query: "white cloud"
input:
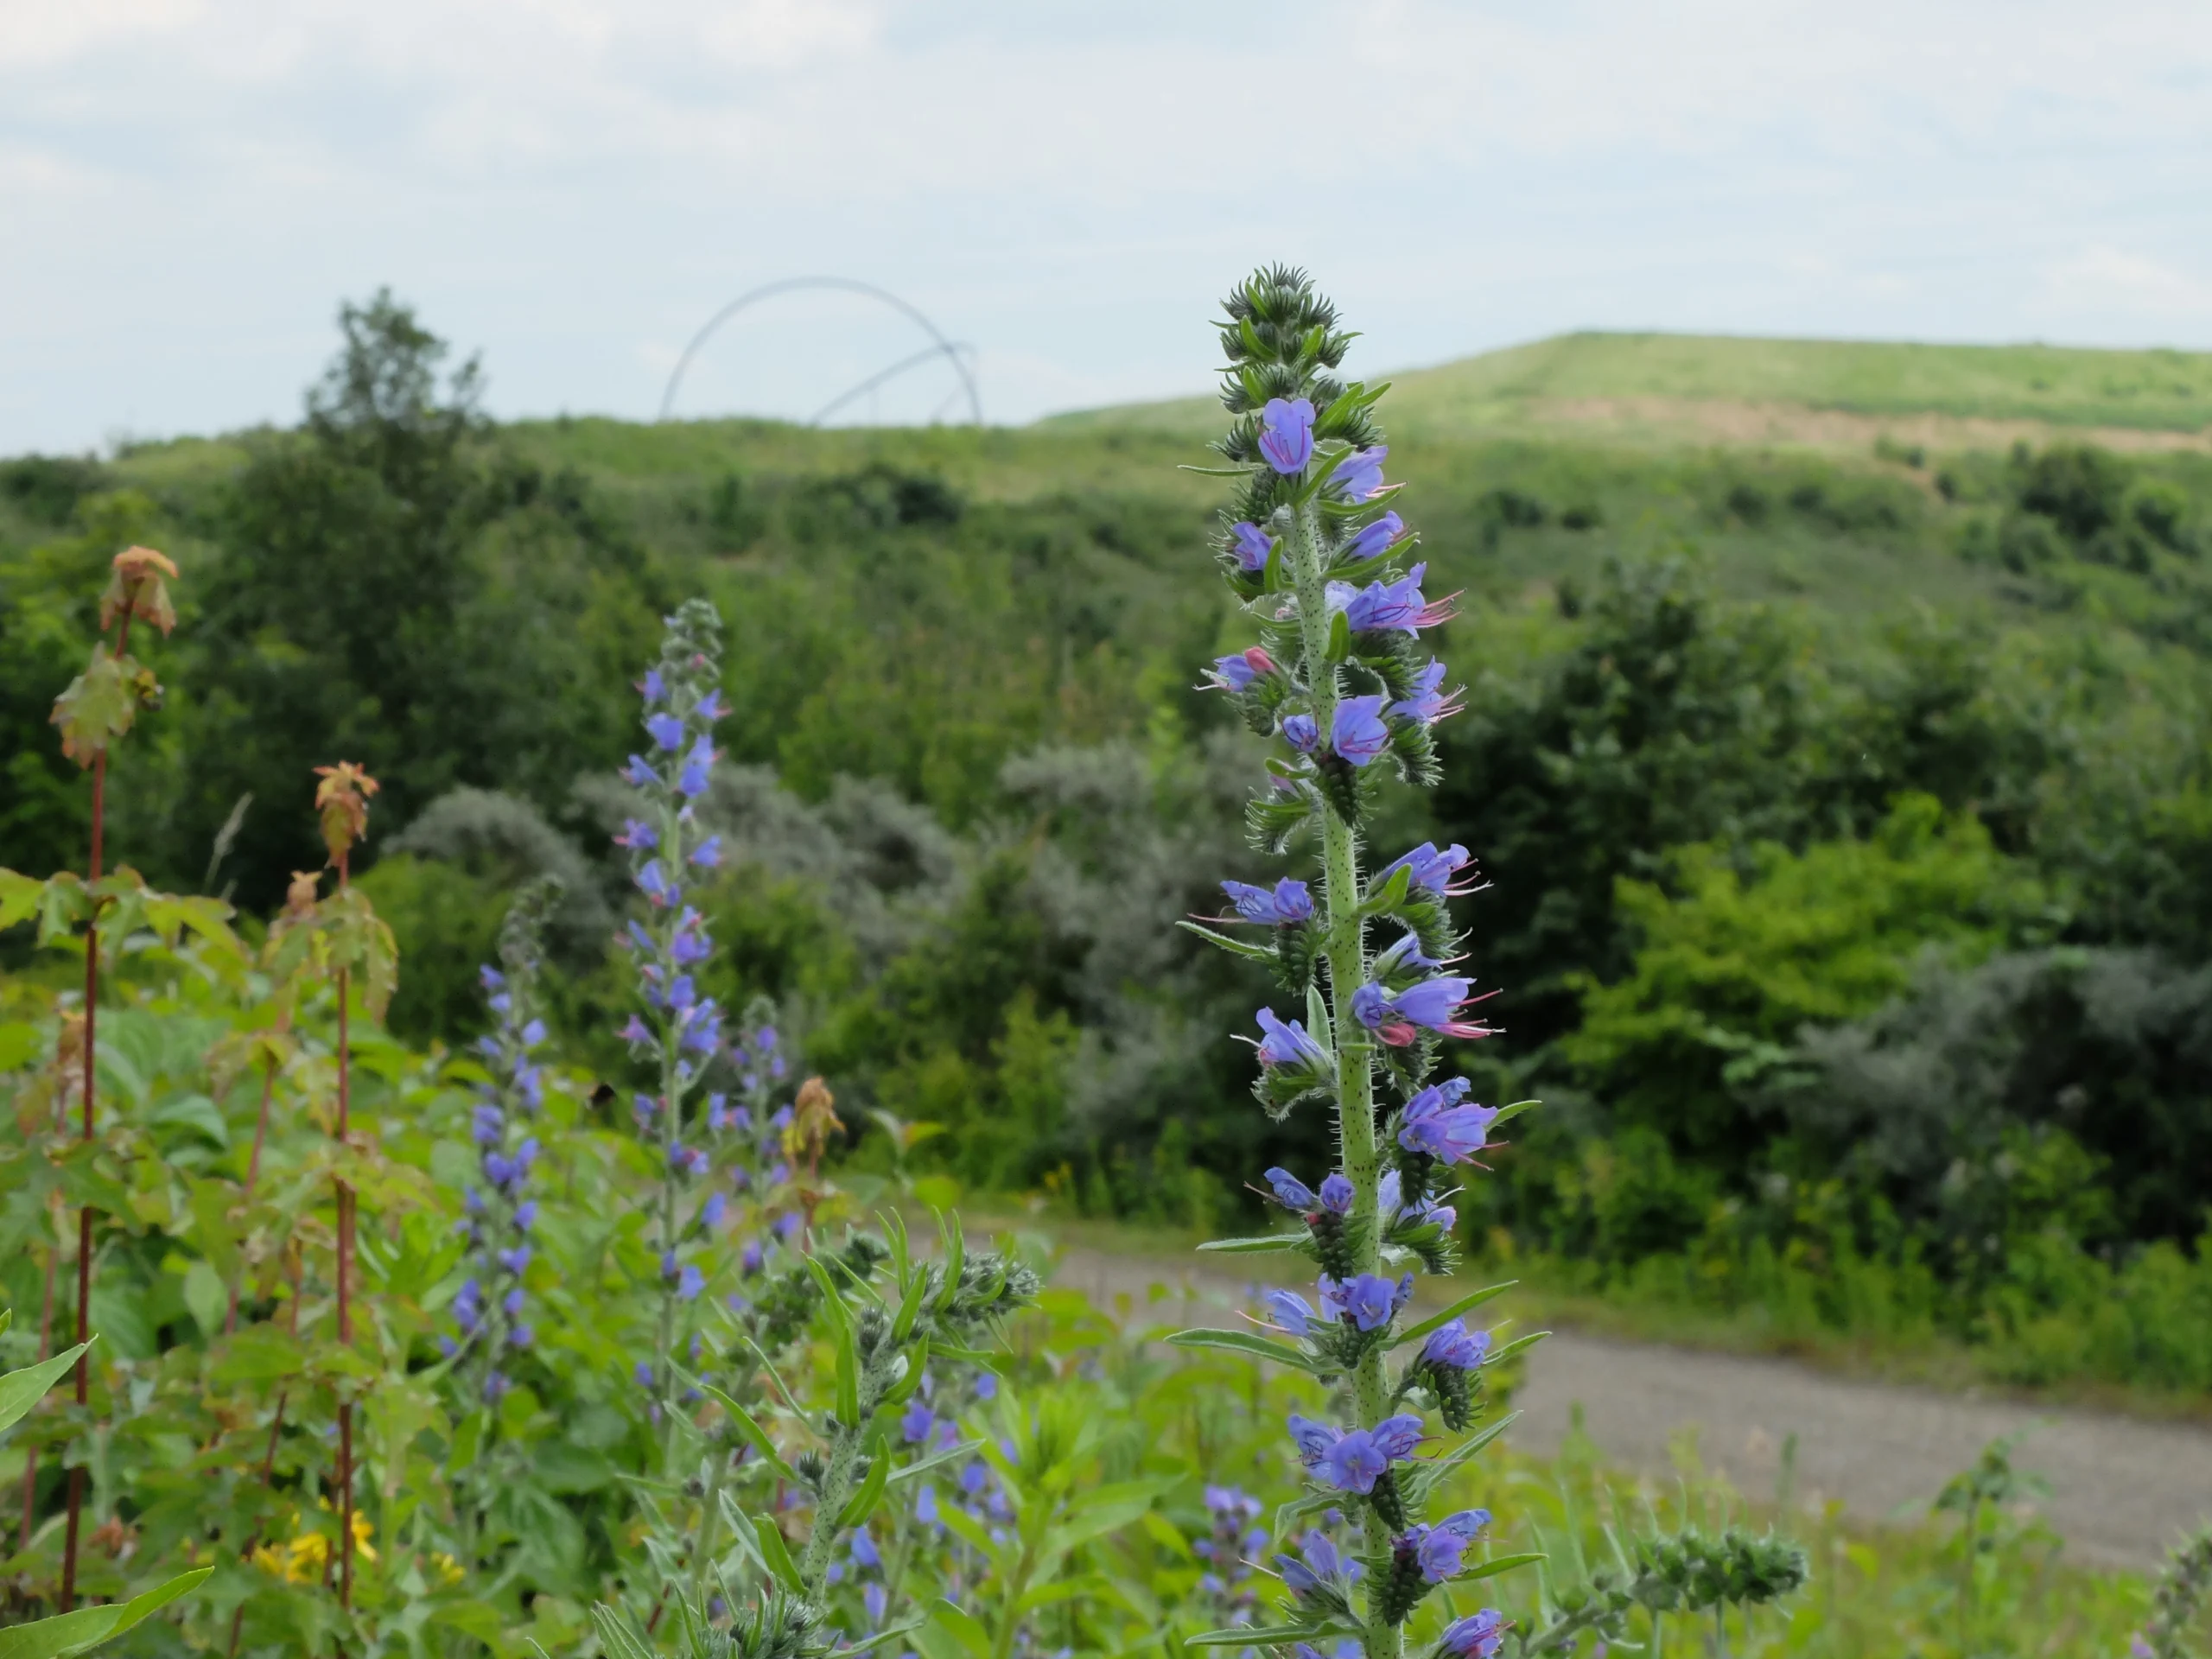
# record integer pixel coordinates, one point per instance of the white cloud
(572, 183)
(2109, 280)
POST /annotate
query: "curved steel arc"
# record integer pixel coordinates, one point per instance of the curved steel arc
(951, 351)
(846, 284)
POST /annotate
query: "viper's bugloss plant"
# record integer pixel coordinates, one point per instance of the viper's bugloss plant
(491, 1311)
(678, 1030)
(1365, 950)
(1340, 679)
(2179, 1599)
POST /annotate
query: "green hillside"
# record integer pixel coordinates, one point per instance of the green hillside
(1732, 389)
(1764, 740)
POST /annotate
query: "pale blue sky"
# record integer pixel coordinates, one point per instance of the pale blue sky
(188, 186)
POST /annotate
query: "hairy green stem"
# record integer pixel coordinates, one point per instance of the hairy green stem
(1346, 950)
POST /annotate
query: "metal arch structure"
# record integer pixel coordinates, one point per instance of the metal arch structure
(940, 346)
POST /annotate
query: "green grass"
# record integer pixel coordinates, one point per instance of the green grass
(1543, 382)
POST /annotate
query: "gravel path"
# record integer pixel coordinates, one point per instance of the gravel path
(2121, 1489)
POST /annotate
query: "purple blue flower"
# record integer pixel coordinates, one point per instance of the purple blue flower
(1478, 1636)
(1288, 1311)
(1426, 703)
(1358, 733)
(1358, 476)
(1431, 869)
(1323, 1564)
(1352, 1460)
(1288, 901)
(1302, 733)
(1437, 1123)
(1286, 1042)
(1376, 538)
(1453, 1347)
(1291, 1192)
(1287, 434)
(1253, 546)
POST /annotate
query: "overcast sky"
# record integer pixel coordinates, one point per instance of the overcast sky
(187, 188)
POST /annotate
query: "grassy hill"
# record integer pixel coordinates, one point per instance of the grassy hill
(1826, 394)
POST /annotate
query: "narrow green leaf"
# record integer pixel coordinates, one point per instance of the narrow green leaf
(1466, 1304)
(748, 1430)
(1272, 1244)
(21, 1391)
(1244, 948)
(883, 1636)
(1246, 1343)
(955, 1256)
(1317, 1019)
(910, 1305)
(870, 1493)
(1506, 1114)
(51, 1638)
(1516, 1346)
(905, 1388)
(1427, 1476)
(778, 1554)
(1497, 1564)
(1339, 637)
(1248, 1636)
(619, 1635)
(923, 1466)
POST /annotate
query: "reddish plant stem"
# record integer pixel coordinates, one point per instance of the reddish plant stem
(85, 1215)
(253, 1175)
(268, 1457)
(45, 1324)
(45, 1347)
(345, 1290)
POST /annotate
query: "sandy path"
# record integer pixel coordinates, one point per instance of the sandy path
(2121, 1489)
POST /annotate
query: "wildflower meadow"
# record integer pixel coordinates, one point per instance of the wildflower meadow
(618, 1329)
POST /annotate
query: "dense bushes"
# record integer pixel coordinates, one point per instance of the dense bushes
(1861, 890)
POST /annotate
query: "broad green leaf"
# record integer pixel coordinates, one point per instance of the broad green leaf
(101, 703)
(261, 1353)
(19, 896)
(963, 1626)
(62, 903)
(51, 1638)
(1436, 1322)
(21, 1391)
(206, 1296)
(1244, 1342)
